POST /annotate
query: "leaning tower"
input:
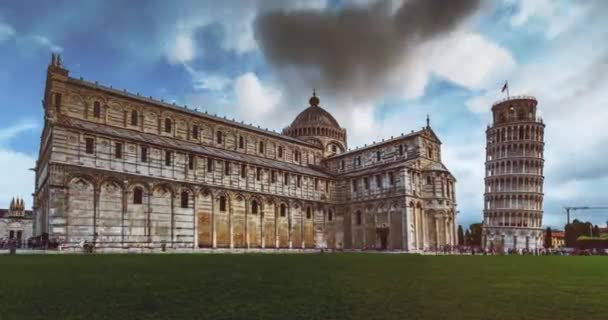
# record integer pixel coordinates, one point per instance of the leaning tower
(513, 199)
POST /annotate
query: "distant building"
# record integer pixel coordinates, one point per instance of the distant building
(16, 222)
(557, 239)
(513, 199)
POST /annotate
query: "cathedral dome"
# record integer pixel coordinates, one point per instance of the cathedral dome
(317, 126)
(315, 116)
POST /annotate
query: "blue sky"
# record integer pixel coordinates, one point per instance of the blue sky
(207, 55)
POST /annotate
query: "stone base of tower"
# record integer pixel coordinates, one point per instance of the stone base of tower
(505, 238)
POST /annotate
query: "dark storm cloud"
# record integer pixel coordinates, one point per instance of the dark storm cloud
(353, 49)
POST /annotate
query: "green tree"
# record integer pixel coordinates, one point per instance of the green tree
(475, 236)
(596, 231)
(460, 236)
(576, 229)
(548, 238)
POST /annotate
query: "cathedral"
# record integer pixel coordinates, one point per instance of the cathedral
(123, 171)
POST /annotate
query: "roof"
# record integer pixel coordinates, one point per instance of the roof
(374, 145)
(315, 116)
(28, 214)
(152, 139)
(557, 234)
(436, 166)
(184, 109)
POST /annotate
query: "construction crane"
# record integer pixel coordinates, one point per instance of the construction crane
(568, 209)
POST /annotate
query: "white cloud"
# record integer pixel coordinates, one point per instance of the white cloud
(181, 49)
(6, 31)
(16, 180)
(46, 42)
(555, 16)
(8, 133)
(255, 101)
(470, 60)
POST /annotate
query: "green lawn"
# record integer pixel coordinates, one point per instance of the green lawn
(310, 286)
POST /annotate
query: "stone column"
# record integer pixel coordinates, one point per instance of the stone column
(213, 228)
(230, 229)
(424, 226)
(195, 219)
(262, 235)
(445, 230)
(247, 222)
(436, 231)
(276, 226)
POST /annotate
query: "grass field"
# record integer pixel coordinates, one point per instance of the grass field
(311, 286)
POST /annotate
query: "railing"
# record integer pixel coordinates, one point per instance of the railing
(521, 97)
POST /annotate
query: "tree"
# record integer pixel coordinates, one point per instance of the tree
(576, 229)
(548, 238)
(596, 231)
(460, 236)
(475, 236)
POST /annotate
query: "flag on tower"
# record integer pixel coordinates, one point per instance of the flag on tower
(505, 87)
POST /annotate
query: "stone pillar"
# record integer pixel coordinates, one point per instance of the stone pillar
(195, 219)
(247, 222)
(424, 226)
(445, 230)
(289, 225)
(276, 226)
(213, 228)
(436, 232)
(230, 227)
(263, 236)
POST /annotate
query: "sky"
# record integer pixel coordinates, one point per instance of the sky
(258, 61)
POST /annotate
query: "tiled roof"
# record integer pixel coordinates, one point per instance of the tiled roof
(148, 138)
(163, 104)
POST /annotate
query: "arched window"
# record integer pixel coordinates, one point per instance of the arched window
(219, 137)
(254, 207)
(184, 199)
(429, 152)
(134, 118)
(378, 155)
(308, 213)
(359, 218)
(280, 152)
(400, 149)
(96, 110)
(261, 148)
(138, 195)
(168, 125)
(283, 210)
(222, 203)
(330, 215)
(241, 142)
